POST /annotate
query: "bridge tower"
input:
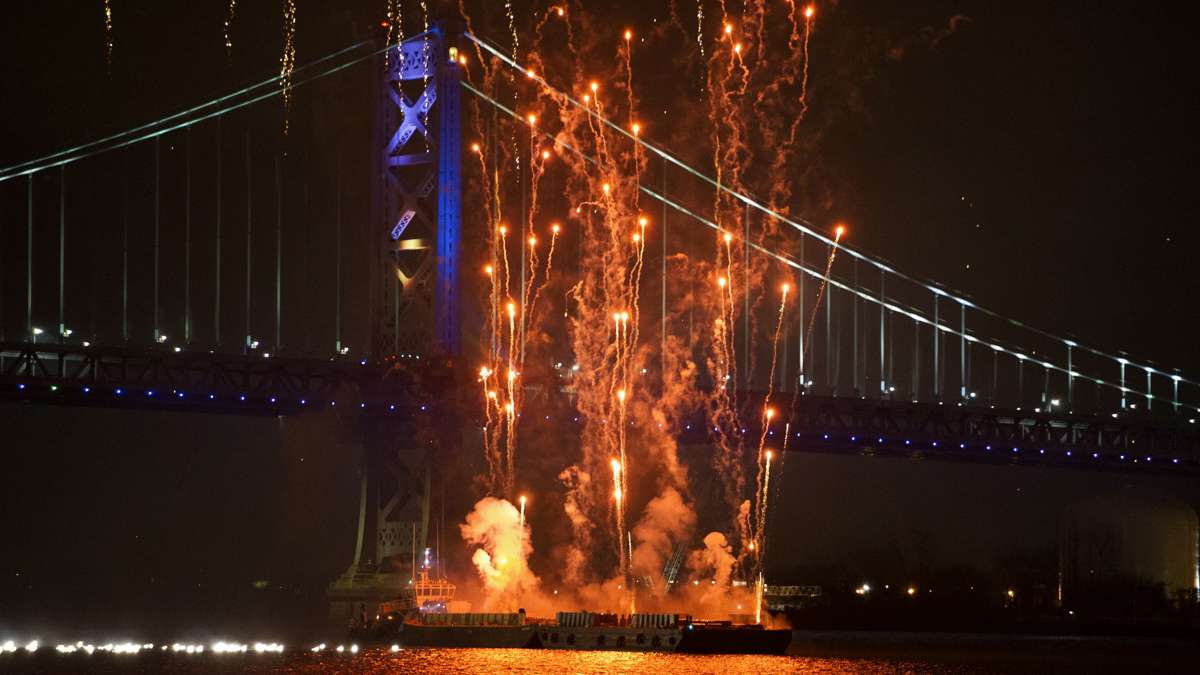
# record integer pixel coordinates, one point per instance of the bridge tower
(416, 192)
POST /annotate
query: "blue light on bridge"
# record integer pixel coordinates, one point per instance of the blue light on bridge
(825, 436)
(211, 397)
(179, 394)
(303, 401)
(21, 387)
(242, 397)
(149, 392)
(393, 407)
(119, 391)
(907, 442)
(935, 444)
(87, 390)
(1095, 455)
(272, 400)
(1016, 450)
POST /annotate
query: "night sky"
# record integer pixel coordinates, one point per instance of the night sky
(1038, 157)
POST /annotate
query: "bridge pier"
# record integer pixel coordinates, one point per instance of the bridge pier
(393, 521)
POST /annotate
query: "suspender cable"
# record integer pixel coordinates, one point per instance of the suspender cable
(916, 365)
(337, 258)
(856, 389)
(963, 376)
(62, 252)
(249, 232)
(746, 300)
(663, 301)
(187, 240)
(278, 249)
(29, 260)
(800, 328)
(217, 246)
(157, 333)
(937, 336)
(125, 251)
(884, 378)
(829, 337)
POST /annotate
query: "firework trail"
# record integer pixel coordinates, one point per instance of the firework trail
(395, 27)
(108, 36)
(761, 534)
(230, 10)
(287, 62)
(812, 321)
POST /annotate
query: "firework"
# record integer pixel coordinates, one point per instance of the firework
(108, 35)
(287, 62)
(230, 10)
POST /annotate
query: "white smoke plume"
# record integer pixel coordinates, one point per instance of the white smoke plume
(502, 556)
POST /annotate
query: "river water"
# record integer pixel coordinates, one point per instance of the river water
(941, 656)
(460, 661)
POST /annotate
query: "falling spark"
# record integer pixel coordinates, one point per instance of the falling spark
(287, 62)
(837, 238)
(108, 35)
(808, 21)
(230, 10)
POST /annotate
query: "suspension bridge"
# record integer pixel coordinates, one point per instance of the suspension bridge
(200, 262)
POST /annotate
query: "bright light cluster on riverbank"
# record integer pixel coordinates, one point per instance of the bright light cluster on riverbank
(222, 647)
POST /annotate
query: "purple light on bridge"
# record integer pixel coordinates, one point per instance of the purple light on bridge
(21, 386)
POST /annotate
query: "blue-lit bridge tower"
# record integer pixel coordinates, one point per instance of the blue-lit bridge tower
(417, 195)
